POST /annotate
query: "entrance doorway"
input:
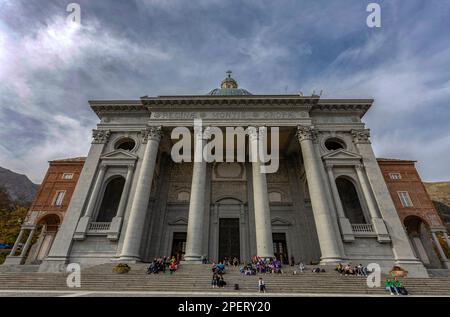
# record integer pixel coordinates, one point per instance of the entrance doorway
(280, 247)
(229, 242)
(179, 245)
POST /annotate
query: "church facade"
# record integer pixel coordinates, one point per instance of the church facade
(327, 201)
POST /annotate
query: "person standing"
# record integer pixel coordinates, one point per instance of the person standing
(261, 285)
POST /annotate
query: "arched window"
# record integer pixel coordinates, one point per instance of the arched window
(334, 144)
(111, 199)
(350, 200)
(127, 144)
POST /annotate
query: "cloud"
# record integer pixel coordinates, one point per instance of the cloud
(124, 50)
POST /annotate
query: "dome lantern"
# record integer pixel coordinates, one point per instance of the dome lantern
(228, 87)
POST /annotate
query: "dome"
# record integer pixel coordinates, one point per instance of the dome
(229, 87)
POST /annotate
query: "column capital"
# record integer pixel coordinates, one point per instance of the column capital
(361, 136)
(358, 167)
(205, 135)
(329, 166)
(100, 136)
(306, 133)
(152, 133)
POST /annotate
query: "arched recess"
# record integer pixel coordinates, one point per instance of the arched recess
(110, 200)
(350, 200)
(48, 227)
(420, 237)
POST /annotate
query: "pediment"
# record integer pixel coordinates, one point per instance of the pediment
(341, 155)
(181, 221)
(119, 155)
(280, 222)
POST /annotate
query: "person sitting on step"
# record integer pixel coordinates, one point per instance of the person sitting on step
(221, 281)
(389, 286)
(339, 268)
(220, 268)
(401, 290)
(214, 280)
(301, 267)
(173, 267)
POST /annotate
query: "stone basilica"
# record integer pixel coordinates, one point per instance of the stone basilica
(326, 203)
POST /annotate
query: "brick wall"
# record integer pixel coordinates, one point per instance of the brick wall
(44, 202)
(410, 182)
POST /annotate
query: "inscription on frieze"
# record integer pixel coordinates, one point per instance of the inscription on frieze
(228, 115)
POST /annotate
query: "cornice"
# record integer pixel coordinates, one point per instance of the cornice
(360, 106)
(311, 103)
(110, 106)
(230, 102)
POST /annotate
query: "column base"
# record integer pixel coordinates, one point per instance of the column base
(191, 262)
(446, 264)
(192, 259)
(266, 257)
(331, 261)
(128, 259)
(14, 260)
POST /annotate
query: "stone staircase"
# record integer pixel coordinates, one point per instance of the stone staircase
(197, 278)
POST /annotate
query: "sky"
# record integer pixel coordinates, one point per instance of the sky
(50, 68)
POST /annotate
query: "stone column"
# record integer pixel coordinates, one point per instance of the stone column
(136, 220)
(125, 192)
(378, 223)
(344, 223)
(83, 224)
(194, 239)
(263, 221)
(446, 238)
(366, 192)
(116, 222)
(95, 191)
(335, 192)
(444, 259)
(27, 245)
(321, 210)
(16, 244)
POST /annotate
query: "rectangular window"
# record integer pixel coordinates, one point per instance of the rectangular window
(395, 176)
(67, 176)
(405, 199)
(59, 198)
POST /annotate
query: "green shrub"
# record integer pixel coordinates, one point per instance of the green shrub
(121, 268)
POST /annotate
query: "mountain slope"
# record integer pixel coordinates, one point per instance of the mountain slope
(440, 195)
(18, 186)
